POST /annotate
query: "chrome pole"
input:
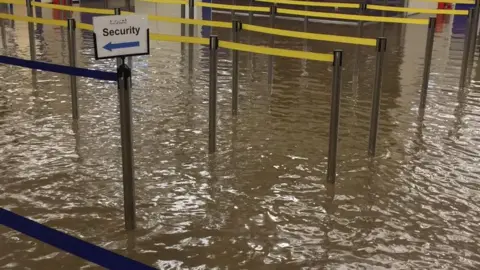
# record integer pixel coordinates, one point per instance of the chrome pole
(191, 9)
(382, 24)
(377, 90)
(250, 14)
(334, 115)
(361, 11)
(72, 51)
(273, 12)
(428, 59)
(31, 34)
(305, 20)
(466, 46)
(236, 28)
(191, 15)
(212, 96)
(124, 92)
(3, 33)
(473, 40)
(117, 11)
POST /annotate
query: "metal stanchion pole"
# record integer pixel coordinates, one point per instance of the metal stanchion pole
(191, 15)
(31, 39)
(182, 11)
(31, 35)
(3, 33)
(250, 14)
(236, 28)
(372, 142)
(473, 40)
(212, 96)
(305, 20)
(233, 10)
(382, 24)
(334, 115)
(466, 47)
(273, 12)
(124, 92)
(361, 11)
(117, 11)
(191, 9)
(72, 51)
(428, 59)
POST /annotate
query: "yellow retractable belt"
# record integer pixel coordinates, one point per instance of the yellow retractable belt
(312, 36)
(352, 17)
(276, 52)
(75, 9)
(33, 20)
(418, 10)
(233, 7)
(190, 21)
(172, 38)
(311, 3)
(178, 2)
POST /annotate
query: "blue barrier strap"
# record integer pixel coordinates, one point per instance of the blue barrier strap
(81, 72)
(70, 244)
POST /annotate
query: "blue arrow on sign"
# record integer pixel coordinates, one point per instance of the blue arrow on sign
(112, 46)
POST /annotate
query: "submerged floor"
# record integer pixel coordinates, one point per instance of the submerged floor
(261, 202)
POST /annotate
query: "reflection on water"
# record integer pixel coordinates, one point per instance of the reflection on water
(262, 199)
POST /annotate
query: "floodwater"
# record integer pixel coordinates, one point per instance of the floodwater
(262, 201)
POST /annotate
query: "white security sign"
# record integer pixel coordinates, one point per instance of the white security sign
(120, 35)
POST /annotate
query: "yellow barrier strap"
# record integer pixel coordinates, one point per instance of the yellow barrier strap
(352, 17)
(276, 52)
(75, 9)
(312, 36)
(190, 21)
(311, 4)
(85, 26)
(193, 40)
(33, 20)
(418, 10)
(233, 7)
(447, 1)
(175, 2)
(15, 2)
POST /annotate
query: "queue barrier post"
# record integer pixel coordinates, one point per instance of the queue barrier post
(466, 47)
(117, 11)
(182, 26)
(273, 13)
(377, 90)
(382, 24)
(124, 77)
(191, 9)
(334, 115)
(31, 34)
(361, 11)
(3, 33)
(236, 28)
(72, 51)
(212, 96)
(428, 60)
(473, 40)
(250, 13)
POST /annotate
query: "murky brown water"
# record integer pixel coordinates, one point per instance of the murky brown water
(261, 202)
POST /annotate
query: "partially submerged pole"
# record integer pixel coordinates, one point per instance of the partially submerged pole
(377, 90)
(236, 28)
(427, 61)
(212, 96)
(334, 115)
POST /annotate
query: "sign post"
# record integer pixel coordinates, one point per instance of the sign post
(122, 36)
